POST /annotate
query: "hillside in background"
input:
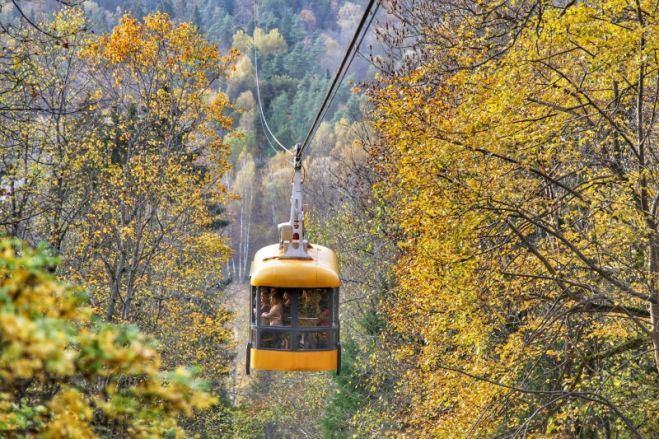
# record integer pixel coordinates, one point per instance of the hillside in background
(299, 46)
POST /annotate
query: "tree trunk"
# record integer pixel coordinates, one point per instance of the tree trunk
(240, 242)
(115, 285)
(130, 292)
(654, 307)
(247, 236)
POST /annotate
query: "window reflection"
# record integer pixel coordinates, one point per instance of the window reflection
(274, 340)
(314, 308)
(253, 302)
(313, 340)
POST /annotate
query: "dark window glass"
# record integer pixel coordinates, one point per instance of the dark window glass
(315, 308)
(274, 340)
(287, 305)
(313, 340)
(253, 306)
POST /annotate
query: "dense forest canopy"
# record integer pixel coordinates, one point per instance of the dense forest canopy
(487, 173)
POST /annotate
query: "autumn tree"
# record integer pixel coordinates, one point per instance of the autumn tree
(113, 157)
(519, 141)
(244, 186)
(150, 250)
(269, 43)
(66, 375)
(44, 185)
(159, 127)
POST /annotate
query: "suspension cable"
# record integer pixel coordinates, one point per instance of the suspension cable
(258, 88)
(272, 147)
(344, 73)
(357, 39)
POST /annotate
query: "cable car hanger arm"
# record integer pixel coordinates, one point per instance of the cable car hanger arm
(292, 240)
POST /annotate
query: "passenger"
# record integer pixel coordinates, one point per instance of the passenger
(287, 307)
(304, 301)
(275, 316)
(324, 317)
(265, 305)
(265, 301)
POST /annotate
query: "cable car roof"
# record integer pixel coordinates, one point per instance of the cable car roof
(321, 271)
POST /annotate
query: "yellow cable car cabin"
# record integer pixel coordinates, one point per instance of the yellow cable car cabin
(294, 291)
(294, 311)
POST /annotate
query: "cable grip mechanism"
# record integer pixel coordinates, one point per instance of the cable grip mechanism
(292, 241)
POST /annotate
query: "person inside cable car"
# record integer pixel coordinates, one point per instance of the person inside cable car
(287, 307)
(275, 316)
(323, 308)
(324, 319)
(265, 305)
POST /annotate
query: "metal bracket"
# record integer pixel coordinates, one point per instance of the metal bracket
(292, 240)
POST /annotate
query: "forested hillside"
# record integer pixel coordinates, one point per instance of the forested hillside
(486, 172)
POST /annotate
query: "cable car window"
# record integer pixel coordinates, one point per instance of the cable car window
(274, 340)
(253, 306)
(297, 318)
(287, 303)
(272, 308)
(315, 308)
(313, 340)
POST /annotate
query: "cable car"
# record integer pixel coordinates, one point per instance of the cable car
(294, 299)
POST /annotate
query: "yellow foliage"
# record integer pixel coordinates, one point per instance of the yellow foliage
(244, 71)
(66, 376)
(271, 42)
(71, 416)
(516, 178)
(121, 177)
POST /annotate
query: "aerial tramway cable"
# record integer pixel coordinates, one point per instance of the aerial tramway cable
(268, 139)
(264, 122)
(353, 48)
